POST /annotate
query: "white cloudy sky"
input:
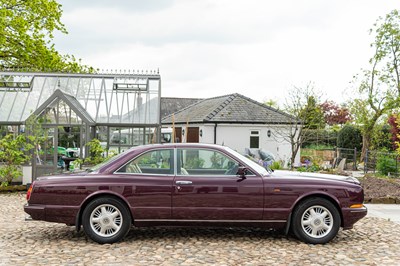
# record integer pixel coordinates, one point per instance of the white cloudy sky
(206, 48)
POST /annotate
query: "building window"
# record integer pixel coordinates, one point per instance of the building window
(254, 139)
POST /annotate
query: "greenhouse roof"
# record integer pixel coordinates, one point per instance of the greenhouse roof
(111, 98)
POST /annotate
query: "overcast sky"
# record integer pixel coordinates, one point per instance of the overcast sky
(207, 48)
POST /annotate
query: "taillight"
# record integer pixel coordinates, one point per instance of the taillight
(28, 194)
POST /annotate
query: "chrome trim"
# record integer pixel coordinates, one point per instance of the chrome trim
(362, 210)
(211, 221)
(142, 174)
(183, 182)
(28, 218)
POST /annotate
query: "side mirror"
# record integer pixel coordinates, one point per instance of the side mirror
(242, 171)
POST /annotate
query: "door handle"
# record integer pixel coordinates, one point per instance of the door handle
(183, 182)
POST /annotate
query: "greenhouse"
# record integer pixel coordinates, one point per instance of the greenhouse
(121, 110)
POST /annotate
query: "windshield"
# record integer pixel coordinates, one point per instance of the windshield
(109, 160)
(249, 162)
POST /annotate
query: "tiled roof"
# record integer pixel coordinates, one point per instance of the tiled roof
(233, 108)
(172, 105)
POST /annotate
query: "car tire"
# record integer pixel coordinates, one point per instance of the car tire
(316, 221)
(106, 220)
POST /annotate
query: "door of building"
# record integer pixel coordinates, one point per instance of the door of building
(193, 134)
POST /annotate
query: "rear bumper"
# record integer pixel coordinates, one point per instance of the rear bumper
(51, 213)
(352, 215)
(36, 212)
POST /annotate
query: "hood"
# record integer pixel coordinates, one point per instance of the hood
(349, 179)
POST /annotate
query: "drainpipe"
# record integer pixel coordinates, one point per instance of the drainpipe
(215, 133)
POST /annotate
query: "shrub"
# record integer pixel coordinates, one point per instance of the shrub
(313, 167)
(386, 165)
(349, 137)
(13, 152)
(276, 165)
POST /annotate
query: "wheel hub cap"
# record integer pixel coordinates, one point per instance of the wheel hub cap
(317, 221)
(106, 220)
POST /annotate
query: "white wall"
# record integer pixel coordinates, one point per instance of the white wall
(237, 137)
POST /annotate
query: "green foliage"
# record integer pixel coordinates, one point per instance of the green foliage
(311, 168)
(272, 103)
(26, 32)
(217, 161)
(379, 86)
(320, 138)
(276, 165)
(13, 152)
(386, 165)
(298, 102)
(95, 152)
(194, 163)
(349, 137)
(381, 138)
(312, 114)
(319, 147)
(35, 133)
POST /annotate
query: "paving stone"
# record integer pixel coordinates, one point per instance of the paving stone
(373, 241)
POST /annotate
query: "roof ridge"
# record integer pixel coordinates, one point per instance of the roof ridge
(186, 98)
(267, 106)
(222, 105)
(193, 104)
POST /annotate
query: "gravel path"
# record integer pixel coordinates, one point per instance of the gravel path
(373, 241)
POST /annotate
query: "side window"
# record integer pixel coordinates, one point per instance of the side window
(205, 162)
(254, 139)
(152, 162)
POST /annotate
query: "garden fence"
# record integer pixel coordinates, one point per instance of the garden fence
(386, 163)
(349, 154)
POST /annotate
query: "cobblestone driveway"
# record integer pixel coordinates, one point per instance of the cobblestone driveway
(373, 241)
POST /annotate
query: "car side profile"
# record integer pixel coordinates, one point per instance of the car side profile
(188, 184)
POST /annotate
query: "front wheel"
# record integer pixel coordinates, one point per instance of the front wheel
(106, 220)
(316, 221)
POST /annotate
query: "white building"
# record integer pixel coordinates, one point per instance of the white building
(234, 121)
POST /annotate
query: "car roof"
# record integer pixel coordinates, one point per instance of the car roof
(185, 144)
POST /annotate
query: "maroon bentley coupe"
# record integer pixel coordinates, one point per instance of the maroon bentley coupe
(195, 185)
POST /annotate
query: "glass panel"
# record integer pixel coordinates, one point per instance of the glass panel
(45, 148)
(205, 162)
(254, 142)
(67, 115)
(69, 138)
(50, 85)
(6, 105)
(95, 93)
(153, 162)
(2, 94)
(19, 106)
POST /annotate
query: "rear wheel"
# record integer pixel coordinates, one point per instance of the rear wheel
(316, 221)
(106, 220)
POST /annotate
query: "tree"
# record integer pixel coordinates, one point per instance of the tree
(393, 121)
(335, 114)
(349, 137)
(272, 103)
(379, 86)
(312, 114)
(26, 32)
(300, 105)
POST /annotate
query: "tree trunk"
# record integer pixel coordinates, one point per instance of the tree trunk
(365, 146)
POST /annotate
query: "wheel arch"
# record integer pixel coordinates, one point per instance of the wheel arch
(309, 196)
(94, 196)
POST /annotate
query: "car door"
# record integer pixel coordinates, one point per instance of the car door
(150, 177)
(206, 187)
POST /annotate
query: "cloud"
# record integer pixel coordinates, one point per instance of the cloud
(207, 48)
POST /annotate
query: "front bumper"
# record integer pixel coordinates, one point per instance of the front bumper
(352, 215)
